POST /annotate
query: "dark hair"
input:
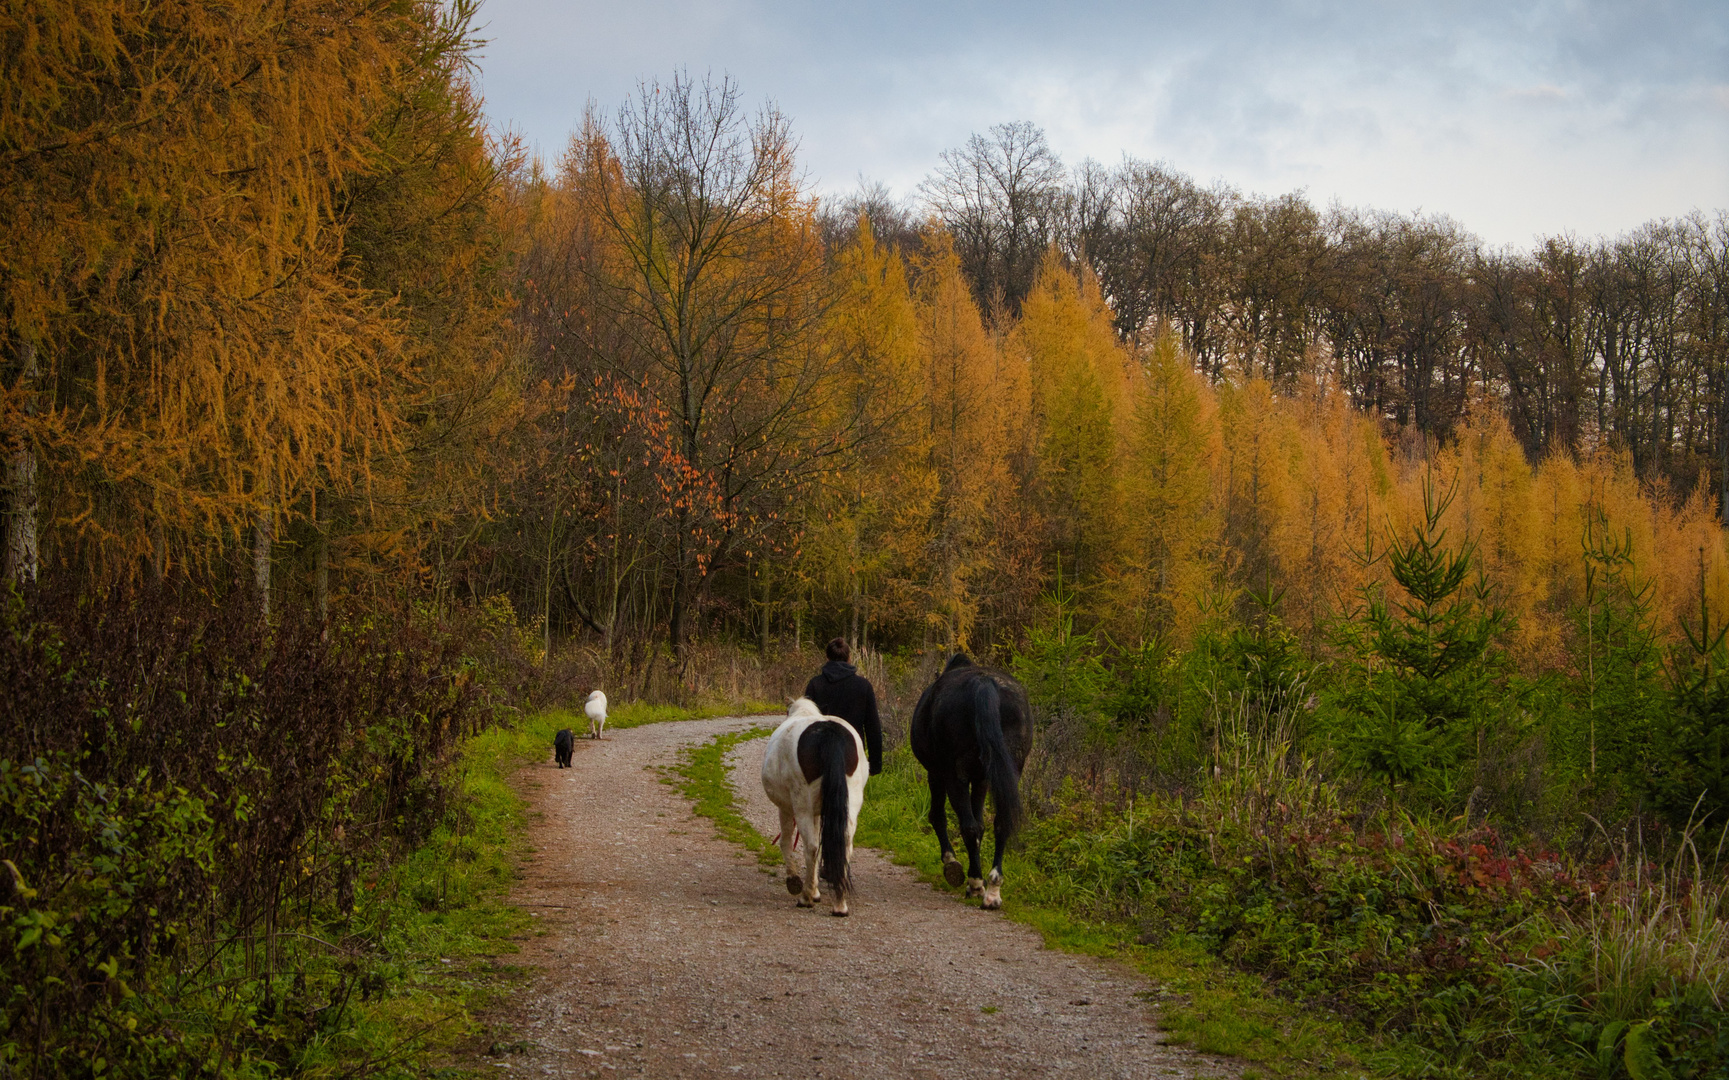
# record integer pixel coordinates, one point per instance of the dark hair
(837, 650)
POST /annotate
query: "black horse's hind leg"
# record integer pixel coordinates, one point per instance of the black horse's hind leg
(993, 891)
(939, 819)
(969, 807)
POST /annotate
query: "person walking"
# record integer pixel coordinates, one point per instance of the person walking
(839, 690)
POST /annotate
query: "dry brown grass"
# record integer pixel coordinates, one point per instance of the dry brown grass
(1661, 931)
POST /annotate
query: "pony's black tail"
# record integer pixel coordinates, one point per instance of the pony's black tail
(994, 753)
(832, 753)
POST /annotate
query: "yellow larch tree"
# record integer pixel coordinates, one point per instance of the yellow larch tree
(968, 412)
(428, 224)
(175, 265)
(1080, 381)
(1495, 505)
(866, 540)
(1168, 497)
(1338, 486)
(1253, 479)
(1556, 508)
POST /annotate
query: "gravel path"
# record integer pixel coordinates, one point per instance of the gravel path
(668, 952)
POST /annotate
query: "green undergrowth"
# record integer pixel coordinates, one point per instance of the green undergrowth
(242, 849)
(1280, 930)
(445, 931)
(1201, 1002)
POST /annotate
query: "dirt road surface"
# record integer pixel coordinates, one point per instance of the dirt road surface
(665, 951)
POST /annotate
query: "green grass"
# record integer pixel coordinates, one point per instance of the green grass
(704, 777)
(443, 923)
(637, 713)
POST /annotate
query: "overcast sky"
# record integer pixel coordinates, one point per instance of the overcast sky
(1518, 120)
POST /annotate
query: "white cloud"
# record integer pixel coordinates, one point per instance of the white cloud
(1585, 115)
(1540, 93)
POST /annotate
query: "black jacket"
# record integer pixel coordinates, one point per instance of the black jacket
(839, 690)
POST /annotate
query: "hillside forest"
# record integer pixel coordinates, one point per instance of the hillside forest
(331, 419)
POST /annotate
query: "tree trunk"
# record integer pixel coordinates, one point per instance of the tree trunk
(680, 601)
(321, 564)
(546, 597)
(767, 608)
(263, 536)
(20, 504)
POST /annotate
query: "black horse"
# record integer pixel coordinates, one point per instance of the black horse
(971, 731)
(562, 745)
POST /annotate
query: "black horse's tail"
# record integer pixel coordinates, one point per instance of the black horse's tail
(994, 753)
(832, 754)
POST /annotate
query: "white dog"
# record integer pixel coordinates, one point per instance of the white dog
(596, 710)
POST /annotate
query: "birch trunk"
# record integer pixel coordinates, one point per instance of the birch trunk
(20, 492)
(321, 564)
(263, 536)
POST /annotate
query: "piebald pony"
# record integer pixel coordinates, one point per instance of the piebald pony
(814, 771)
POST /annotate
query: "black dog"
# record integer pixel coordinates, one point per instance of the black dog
(562, 744)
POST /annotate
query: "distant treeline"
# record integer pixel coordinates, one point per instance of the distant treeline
(1586, 343)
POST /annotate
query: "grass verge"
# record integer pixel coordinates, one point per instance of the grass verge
(704, 777)
(441, 927)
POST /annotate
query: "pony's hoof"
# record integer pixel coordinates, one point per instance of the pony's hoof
(794, 885)
(993, 892)
(805, 901)
(975, 887)
(839, 912)
(953, 874)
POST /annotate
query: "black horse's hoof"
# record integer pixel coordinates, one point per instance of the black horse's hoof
(953, 874)
(795, 885)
